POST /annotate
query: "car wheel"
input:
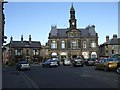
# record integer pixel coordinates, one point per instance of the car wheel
(29, 69)
(118, 70)
(82, 65)
(73, 65)
(95, 68)
(19, 69)
(43, 66)
(105, 69)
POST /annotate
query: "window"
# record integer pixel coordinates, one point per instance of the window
(35, 52)
(112, 51)
(18, 52)
(106, 51)
(93, 44)
(27, 52)
(113, 46)
(74, 44)
(63, 44)
(15, 52)
(54, 45)
(84, 44)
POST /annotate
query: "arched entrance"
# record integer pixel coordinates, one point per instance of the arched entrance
(93, 55)
(54, 55)
(85, 55)
(63, 55)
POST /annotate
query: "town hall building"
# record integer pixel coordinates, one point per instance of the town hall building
(73, 42)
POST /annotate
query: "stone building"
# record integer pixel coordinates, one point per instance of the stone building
(110, 47)
(44, 52)
(29, 50)
(73, 42)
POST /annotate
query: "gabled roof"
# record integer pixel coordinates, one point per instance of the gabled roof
(25, 44)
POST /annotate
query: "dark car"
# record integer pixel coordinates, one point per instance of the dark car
(22, 65)
(91, 62)
(118, 65)
(50, 63)
(77, 62)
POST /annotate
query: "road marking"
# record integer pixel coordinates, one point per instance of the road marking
(29, 80)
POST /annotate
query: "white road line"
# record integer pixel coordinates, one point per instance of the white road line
(29, 80)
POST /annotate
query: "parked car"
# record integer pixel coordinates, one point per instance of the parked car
(50, 63)
(66, 62)
(22, 65)
(118, 65)
(118, 68)
(77, 62)
(58, 61)
(90, 62)
(106, 64)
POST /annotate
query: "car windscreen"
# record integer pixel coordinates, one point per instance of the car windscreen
(110, 59)
(67, 60)
(53, 60)
(23, 62)
(118, 59)
(78, 59)
(93, 59)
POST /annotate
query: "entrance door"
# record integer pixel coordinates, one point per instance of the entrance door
(74, 56)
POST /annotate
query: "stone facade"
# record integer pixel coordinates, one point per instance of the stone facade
(29, 50)
(110, 47)
(73, 42)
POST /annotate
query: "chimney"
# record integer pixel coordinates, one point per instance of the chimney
(21, 38)
(11, 39)
(107, 38)
(114, 36)
(30, 38)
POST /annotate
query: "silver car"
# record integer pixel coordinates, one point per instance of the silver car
(22, 65)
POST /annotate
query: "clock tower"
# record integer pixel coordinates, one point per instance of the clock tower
(72, 20)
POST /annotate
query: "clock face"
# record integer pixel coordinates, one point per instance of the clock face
(73, 23)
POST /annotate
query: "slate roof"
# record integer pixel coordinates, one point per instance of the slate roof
(113, 41)
(25, 44)
(61, 33)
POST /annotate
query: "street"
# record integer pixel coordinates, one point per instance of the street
(59, 77)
